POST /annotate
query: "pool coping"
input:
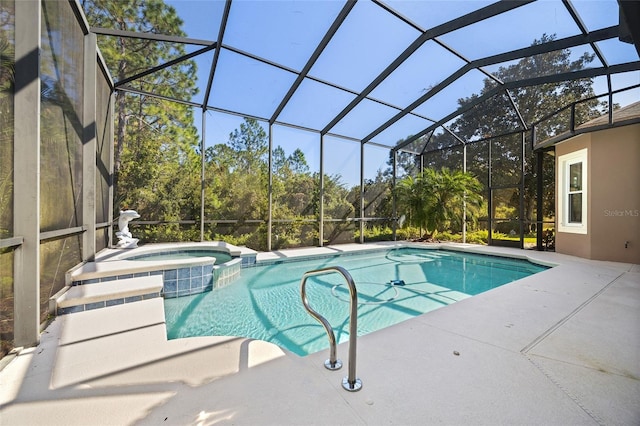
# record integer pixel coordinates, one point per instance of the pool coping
(557, 347)
(264, 258)
(182, 277)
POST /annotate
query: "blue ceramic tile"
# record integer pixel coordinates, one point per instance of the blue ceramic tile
(71, 310)
(184, 273)
(132, 299)
(170, 286)
(170, 295)
(150, 296)
(196, 271)
(115, 302)
(96, 305)
(184, 285)
(170, 274)
(196, 282)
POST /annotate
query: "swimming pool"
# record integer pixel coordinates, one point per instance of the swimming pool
(264, 303)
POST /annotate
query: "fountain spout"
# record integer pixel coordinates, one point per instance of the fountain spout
(125, 239)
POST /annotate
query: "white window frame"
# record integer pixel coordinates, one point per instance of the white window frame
(565, 162)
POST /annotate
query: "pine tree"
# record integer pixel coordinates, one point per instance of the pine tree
(156, 159)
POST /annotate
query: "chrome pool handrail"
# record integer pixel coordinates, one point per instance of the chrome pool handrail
(351, 382)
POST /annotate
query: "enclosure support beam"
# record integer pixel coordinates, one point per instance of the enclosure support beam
(89, 144)
(610, 104)
(464, 200)
(394, 206)
(321, 195)
(202, 171)
(112, 153)
(270, 189)
(362, 193)
(523, 150)
(26, 160)
(216, 53)
(539, 204)
(490, 203)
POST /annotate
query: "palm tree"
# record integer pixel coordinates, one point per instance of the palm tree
(434, 200)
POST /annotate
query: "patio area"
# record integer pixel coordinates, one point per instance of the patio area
(558, 347)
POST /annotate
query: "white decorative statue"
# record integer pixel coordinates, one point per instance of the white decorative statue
(125, 238)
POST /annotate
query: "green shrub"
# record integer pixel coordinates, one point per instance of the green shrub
(408, 233)
(448, 236)
(480, 236)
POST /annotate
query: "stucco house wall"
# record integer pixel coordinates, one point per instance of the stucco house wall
(613, 196)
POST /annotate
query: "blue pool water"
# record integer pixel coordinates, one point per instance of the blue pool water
(264, 303)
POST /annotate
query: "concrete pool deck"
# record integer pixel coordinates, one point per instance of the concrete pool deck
(558, 347)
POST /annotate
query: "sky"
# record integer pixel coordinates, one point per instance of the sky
(287, 32)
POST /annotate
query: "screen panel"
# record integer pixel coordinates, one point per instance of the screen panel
(61, 129)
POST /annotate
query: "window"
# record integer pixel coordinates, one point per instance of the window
(573, 192)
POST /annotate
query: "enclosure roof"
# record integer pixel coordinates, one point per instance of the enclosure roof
(629, 114)
(389, 72)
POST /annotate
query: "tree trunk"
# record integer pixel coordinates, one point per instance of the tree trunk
(120, 115)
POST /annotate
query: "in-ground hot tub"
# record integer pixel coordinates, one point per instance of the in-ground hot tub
(186, 268)
(171, 254)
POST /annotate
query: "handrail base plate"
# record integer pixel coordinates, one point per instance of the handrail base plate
(333, 366)
(351, 387)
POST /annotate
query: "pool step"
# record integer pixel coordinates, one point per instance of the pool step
(109, 293)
